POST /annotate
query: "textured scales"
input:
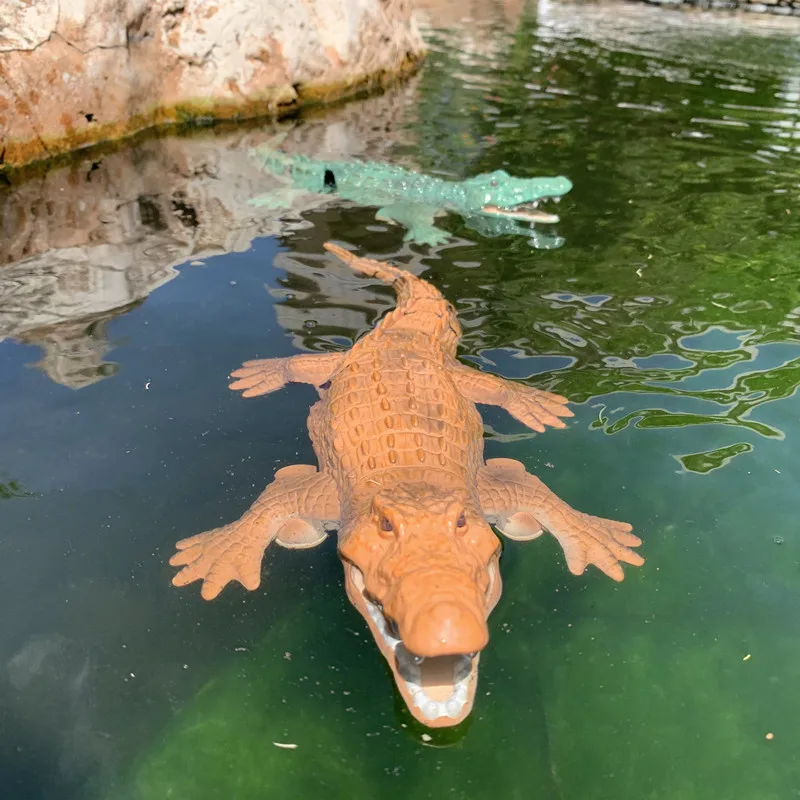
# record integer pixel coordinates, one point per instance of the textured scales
(403, 479)
(493, 204)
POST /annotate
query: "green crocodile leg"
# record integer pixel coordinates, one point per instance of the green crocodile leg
(266, 375)
(418, 218)
(294, 511)
(521, 506)
(532, 407)
(279, 199)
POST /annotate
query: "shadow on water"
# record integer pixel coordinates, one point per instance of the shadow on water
(135, 281)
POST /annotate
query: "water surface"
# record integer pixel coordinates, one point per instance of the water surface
(133, 282)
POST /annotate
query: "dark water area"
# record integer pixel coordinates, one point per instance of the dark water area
(133, 282)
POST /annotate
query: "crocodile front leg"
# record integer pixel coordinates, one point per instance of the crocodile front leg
(418, 218)
(266, 375)
(532, 407)
(521, 506)
(293, 511)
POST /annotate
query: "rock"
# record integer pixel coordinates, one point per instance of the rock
(75, 72)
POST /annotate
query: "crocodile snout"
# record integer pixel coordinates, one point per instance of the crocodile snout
(446, 628)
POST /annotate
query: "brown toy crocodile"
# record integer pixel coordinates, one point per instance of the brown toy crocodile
(402, 477)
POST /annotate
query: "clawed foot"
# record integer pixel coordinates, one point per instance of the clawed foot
(261, 376)
(431, 236)
(217, 558)
(593, 540)
(536, 408)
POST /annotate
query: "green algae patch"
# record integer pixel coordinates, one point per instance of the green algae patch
(675, 712)
(226, 742)
(312, 711)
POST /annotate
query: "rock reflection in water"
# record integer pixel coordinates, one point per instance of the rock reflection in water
(87, 242)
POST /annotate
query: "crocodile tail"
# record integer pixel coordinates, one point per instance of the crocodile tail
(366, 266)
(420, 305)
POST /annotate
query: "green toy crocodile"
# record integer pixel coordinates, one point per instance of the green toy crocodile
(493, 204)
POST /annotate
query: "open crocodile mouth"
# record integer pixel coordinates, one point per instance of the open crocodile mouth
(438, 686)
(527, 212)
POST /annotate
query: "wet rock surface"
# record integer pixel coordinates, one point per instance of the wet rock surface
(73, 73)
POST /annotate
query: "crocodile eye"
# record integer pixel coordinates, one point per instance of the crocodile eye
(461, 522)
(386, 525)
(494, 183)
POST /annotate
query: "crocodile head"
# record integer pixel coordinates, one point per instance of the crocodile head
(421, 566)
(499, 194)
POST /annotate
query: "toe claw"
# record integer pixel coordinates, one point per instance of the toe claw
(182, 558)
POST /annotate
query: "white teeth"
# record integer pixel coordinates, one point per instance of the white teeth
(409, 667)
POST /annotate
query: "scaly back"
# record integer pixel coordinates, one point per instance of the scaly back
(420, 306)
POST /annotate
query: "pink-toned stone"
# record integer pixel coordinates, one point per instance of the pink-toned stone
(74, 72)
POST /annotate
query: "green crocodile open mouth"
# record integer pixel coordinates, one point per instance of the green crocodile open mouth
(525, 212)
(439, 686)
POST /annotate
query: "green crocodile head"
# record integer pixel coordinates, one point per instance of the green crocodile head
(499, 194)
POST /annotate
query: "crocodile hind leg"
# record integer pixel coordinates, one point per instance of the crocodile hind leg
(532, 407)
(522, 507)
(266, 375)
(292, 511)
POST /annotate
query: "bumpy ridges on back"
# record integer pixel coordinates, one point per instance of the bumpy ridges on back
(392, 406)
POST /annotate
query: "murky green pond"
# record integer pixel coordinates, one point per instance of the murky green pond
(133, 282)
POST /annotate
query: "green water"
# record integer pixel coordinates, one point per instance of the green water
(671, 317)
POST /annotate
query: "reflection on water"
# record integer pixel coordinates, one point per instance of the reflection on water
(89, 242)
(671, 317)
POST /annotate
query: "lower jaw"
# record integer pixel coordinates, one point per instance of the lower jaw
(444, 704)
(452, 702)
(442, 722)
